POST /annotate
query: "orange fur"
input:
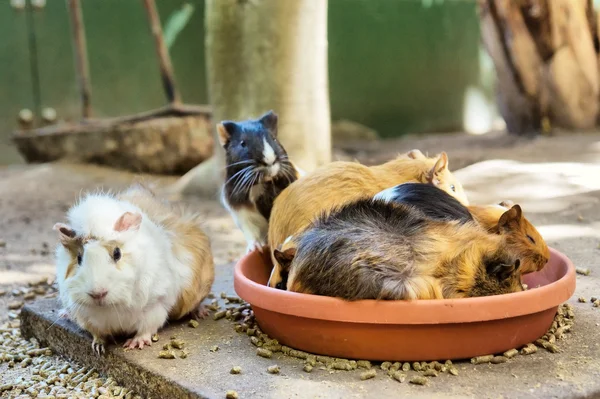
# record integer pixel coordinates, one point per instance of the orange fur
(535, 254)
(339, 183)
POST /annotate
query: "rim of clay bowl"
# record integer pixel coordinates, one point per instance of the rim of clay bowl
(425, 311)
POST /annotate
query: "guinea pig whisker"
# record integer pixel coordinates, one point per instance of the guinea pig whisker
(238, 172)
(248, 161)
(249, 182)
(242, 181)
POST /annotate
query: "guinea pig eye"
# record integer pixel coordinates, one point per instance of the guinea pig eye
(79, 259)
(243, 143)
(452, 187)
(279, 285)
(117, 254)
(531, 239)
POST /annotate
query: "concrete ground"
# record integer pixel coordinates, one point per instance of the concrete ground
(555, 179)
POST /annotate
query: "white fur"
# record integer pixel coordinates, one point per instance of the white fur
(386, 195)
(268, 153)
(254, 226)
(140, 293)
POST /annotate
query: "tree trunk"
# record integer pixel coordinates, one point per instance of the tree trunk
(546, 58)
(262, 55)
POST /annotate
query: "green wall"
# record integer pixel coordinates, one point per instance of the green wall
(395, 65)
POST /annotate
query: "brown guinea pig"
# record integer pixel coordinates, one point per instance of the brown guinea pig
(437, 204)
(339, 183)
(373, 249)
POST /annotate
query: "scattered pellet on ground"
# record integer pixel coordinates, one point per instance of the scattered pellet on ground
(264, 353)
(367, 375)
(214, 348)
(453, 370)
(154, 338)
(583, 271)
(398, 376)
(231, 395)
(307, 368)
(177, 343)
(499, 359)
(363, 364)
(273, 369)
(386, 365)
(528, 349)
(219, 315)
(430, 373)
(482, 359)
(419, 380)
(166, 355)
(581, 299)
(511, 353)
(193, 323)
(15, 305)
(235, 370)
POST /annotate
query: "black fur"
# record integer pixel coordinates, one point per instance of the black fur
(435, 203)
(244, 150)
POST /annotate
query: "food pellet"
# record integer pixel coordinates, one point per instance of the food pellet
(166, 355)
(406, 367)
(367, 375)
(416, 366)
(341, 365)
(155, 338)
(236, 370)
(499, 359)
(214, 348)
(193, 323)
(430, 373)
(307, 368)
(264, 353)
(273, 369)
(386, 365)
(219, 315)
(255, 341)
(177, 343)
(183, 354)
(231, 395)
(223, 295)
(418, 380)
(482, 359)
(398, 376)
(581, 299)
(528, 349)
(15, 305)
(453, 370)
(583, 271)
(364, 364)
(511, 353)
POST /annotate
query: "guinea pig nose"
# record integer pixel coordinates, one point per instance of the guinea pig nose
(98, 294)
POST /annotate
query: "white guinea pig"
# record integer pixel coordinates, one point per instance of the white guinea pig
(128, 262)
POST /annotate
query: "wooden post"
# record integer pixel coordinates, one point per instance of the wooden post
(166, 69)
(81, 60)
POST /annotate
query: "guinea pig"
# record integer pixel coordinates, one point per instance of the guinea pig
(339, 183)
(128, 262)
(373, 249)
(258, 169)
(437, 204)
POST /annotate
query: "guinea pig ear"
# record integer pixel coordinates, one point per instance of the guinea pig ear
(225, 130)
(128, 221)
(285, 258)
(440, 166)
(269, 120)
(415, 154)
(510, 219)
(65, 233)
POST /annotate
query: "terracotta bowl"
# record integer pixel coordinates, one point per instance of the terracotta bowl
(423, 330)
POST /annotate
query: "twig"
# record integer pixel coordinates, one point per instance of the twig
(166, 69)
(81, 60)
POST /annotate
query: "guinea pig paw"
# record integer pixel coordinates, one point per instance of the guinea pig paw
(201, 313)
(139, 341)
(98, 346)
